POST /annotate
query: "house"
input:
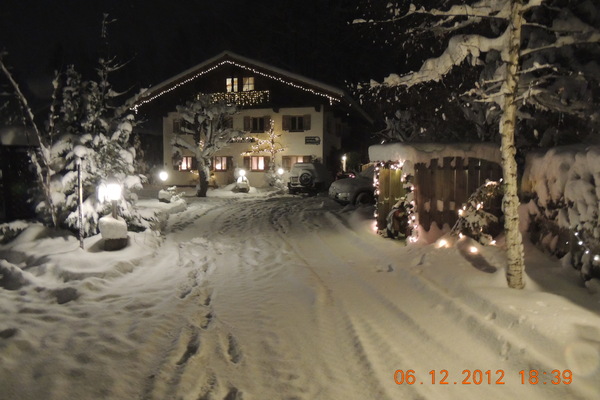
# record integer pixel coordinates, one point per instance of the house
(311, 118)
(16, 173)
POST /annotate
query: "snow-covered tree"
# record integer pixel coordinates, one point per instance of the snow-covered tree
(533, 55)
(208, 123)
(83, 128)
(272, 146)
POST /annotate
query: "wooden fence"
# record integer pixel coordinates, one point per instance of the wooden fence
(441, 188)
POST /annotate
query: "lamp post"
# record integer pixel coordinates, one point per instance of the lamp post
(344, 158)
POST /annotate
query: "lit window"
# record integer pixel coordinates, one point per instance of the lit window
(248, 83)
(220, 163)
(257, 163)
(186, 163)
(288, 161)
(232, 84)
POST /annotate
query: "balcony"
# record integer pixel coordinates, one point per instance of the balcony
(242, 99)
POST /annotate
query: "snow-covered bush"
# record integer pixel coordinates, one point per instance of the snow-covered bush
(476, 219)
(563, 185)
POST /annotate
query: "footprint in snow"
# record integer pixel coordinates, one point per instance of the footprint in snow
(191, 349)
(207, 320)
(233, 394)
(233, 349)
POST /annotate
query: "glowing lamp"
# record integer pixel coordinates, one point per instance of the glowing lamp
(163, 175)
(473, 250)
(280, 171)
(110, 191)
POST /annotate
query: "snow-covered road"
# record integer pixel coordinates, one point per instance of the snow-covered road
(284, 297)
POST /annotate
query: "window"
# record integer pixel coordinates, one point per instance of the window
(256, 124)
(220, 163)
(288, 161)
(296, 123)
(232, 84)
(248, 83)
(186, 163)
(256, 163)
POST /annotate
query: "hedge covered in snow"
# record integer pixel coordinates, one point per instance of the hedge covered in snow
(563, 185)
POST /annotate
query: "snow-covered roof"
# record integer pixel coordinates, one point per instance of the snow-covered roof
(425, 152)
(331, 93)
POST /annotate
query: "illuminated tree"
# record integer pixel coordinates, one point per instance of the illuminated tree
(209, 125)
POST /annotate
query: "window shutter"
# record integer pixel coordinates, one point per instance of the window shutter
(306, 159)
(194, 163)
(267, 119)
(229, 163)
(306, 122)
(247, 124)
(267, 162)
(247, 163)
(286, 123)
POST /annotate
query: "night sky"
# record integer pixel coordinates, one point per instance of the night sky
(163, 38)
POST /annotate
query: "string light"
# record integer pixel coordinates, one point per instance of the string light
(585, 248)
(250, 98)
(409, 204)
(473, 218)
(331, 99)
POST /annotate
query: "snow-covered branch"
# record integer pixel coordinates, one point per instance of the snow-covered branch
(459, 49)
(571, 40)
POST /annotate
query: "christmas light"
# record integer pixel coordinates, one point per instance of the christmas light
(408, 202)
(331, 99)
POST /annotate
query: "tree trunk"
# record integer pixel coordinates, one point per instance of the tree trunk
(203, 184)
(510, 202)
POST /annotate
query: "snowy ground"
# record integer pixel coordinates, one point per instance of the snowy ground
(260, 296)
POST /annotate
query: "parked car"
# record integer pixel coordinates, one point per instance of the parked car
(358, 190)
(308, 177)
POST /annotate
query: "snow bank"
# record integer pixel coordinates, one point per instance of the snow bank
(562, 182)
(415, 153)
(565, 202)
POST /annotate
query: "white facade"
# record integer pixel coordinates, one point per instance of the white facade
(315, 141)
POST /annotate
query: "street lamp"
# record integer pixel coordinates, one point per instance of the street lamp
(113, 230)
(163, 175)
(344, 158)
(110, 191)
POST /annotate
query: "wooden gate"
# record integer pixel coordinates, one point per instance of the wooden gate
(441, 188)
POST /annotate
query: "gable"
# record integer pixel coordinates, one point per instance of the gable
(272, 87)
